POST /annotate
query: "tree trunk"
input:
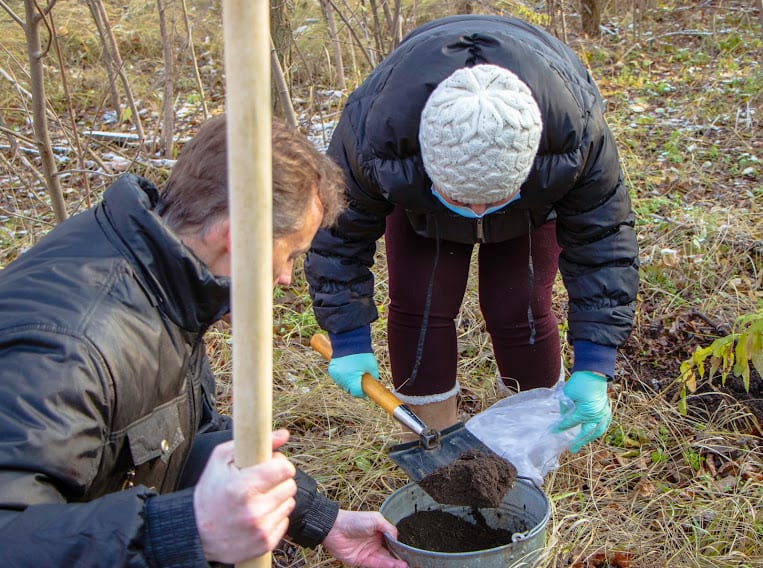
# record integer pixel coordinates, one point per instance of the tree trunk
(168, 117)
(397, 26)
(557, 24)
(280, 34)
(282, 89)
(39, 116)
(590, 13)
(378, 30)
(102, 25)
(328, 14)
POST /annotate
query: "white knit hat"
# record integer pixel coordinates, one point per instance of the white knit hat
(479, 134)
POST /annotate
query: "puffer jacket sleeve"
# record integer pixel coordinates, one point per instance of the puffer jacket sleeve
(53, 433)
(599, 259)
(338, 265)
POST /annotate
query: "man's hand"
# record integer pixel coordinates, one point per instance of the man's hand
(591, 410)
(357, 539)
(347, 371)
(244, 513)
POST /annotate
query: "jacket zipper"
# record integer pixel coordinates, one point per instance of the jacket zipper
(129, 481)
(480, 231)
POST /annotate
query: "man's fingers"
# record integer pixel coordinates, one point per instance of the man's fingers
(224, 452)
(277, 502)
(269, 527)
(280, 437)
(284, 491)
(266, 475)
(272, 514)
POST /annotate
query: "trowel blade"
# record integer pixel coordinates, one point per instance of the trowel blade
(418, 462)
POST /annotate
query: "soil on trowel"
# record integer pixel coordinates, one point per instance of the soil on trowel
(439, 531)
(475, 479)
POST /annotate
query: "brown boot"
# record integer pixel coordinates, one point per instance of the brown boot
(438, 415)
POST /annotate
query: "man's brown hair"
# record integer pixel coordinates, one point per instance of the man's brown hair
(196, 193)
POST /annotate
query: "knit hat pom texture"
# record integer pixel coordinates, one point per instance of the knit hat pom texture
(479, 134)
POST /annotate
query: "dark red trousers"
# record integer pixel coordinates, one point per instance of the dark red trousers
(504, 295)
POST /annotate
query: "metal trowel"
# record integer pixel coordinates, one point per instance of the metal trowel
(434, 449)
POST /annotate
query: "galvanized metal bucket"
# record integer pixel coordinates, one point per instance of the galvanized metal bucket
(524, 511)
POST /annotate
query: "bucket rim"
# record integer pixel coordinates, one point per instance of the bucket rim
(433, 553)
(527, 535)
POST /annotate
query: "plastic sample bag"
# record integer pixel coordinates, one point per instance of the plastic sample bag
(518, 428)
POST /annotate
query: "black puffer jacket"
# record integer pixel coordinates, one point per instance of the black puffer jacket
(575, 179)
(105, 383)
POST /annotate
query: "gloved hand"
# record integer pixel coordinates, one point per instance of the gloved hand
(348, 370)
(591, 410)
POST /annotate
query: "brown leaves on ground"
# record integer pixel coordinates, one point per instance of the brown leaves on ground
(605, 560)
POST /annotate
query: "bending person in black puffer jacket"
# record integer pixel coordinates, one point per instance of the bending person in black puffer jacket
(111, 450)
(479, 130)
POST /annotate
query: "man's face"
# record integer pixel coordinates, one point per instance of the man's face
(290, 247)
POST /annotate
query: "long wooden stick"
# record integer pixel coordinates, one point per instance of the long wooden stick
(247, 71)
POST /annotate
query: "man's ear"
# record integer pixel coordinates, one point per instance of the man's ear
(223, 234)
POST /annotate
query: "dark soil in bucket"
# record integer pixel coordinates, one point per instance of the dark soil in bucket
(439, 531)
(476, 479)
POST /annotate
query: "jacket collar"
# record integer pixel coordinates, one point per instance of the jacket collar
(178, 283)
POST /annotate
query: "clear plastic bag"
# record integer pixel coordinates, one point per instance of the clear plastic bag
(518, 428)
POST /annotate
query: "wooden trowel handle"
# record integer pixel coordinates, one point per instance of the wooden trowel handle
(376, 391)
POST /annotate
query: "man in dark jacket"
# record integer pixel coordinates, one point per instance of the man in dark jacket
(479, 130)
(110, 450)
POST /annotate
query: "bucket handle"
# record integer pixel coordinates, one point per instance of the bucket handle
(531, 480)
(520, 536)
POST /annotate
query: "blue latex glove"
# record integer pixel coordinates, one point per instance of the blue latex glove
(591, 409)
(347, 371)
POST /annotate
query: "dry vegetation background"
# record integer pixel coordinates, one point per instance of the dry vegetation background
(671, 484)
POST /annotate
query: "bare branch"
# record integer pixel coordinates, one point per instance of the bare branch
(281, 87)
(40, 118)
(111, 50)
(70, 107)
(328, 13)
(46, 10)
(5, 75)
(368, 55)
(196, 74)
(11, 13)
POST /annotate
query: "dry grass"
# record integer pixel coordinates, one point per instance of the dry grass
(661, 488)
(645, 490)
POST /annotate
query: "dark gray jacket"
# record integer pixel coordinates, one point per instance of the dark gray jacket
(104, 385)
(576, 177)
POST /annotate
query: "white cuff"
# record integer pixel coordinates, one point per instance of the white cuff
(428, 398)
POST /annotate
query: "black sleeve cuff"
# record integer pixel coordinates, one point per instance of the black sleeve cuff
(172, 538)
(314, 514)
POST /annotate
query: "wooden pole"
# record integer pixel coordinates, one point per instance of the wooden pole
(247, 71)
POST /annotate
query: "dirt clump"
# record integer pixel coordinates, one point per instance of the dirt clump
(439, 531)
(475, 479)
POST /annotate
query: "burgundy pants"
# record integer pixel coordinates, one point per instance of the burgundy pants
(504, 294)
